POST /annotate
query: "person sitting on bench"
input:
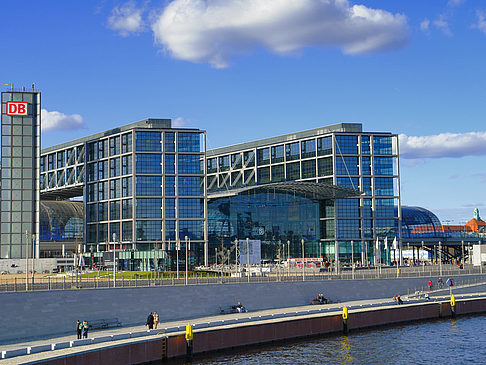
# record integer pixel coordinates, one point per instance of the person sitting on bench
(239, 307)
(321, 299)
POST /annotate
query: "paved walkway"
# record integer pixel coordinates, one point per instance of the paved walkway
(462, 292)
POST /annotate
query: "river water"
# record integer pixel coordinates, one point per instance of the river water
(448, 341)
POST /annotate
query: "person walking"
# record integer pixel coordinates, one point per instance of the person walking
(79, 329)
(150, 321)
(156, 320)
(85, 329)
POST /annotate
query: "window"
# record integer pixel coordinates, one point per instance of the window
(170, 208)
(115, 189)
(103, 148)
(169, 142)
(127, 231)
(92, 151)
(60, 159)
(249, 177)
(365, 145)
(103, 191)
(114, 231)
(149, 186)
(148, 142)
(324, 146)
(382, 145)
(126, 186)
(103, 232)
(169, 164)
(189, 186)
(191, 208)
(188, 142)
(384, 186)
(189, 164)
(169, 186)
(383, 165)
(224, 163)
(192, 229)
(324, 166)
(346, 165)
(170, 230)
(114, 145)
(212, 165)
(277, 154)
(308, 148)
(148, 163)
(346, 145)
(127, 208)
(126, 140)
(115, 210)
(249, 158)
(126, 165)
(103, 169)
(236, 161)
(149, 208)
(91, 212)
(366, 187)
(348, 182)
(263, 156)
(308, 169)
(384, 208)
(347, 208)
(348, 229)
(366, 165)
(278, 173)
(115, 167)
(293, 171)
(149, 230)
(292, 151)
(263, 175)
(367, 208)
(103, 211)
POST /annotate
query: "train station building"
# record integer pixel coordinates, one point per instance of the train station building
(147, 189)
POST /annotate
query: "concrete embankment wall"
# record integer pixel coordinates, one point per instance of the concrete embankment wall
(208, 340)
(50, 313)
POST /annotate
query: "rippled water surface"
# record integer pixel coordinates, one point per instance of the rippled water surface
(451, 341)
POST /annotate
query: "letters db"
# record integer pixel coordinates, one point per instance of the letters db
(17, 108)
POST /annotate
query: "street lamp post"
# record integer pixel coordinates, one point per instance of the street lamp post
(248, 258)
(188, 248)
(288, 259)
(114, 260)
(422, 256)
(303, 263)
(440, 258)
(26, 260)
(352, 258)
(178, 247)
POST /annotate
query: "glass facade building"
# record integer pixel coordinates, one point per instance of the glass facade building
(338, 155)
(19, 210)
(143, 189)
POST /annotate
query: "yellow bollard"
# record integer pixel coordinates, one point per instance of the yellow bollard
(453, 306)
(345, 319)
(189, 337)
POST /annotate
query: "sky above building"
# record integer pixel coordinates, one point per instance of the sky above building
(249, 69)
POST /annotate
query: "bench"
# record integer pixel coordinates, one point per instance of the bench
(97, 324)
(228, 309)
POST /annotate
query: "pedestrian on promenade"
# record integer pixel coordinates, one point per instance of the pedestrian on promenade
(79, 328)
(440, 283)
(85, 329)
(156, 320)
(430, 284)
(399, 300)
(150, 321)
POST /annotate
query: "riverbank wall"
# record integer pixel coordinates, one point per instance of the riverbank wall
(265, 331)
(30, 315)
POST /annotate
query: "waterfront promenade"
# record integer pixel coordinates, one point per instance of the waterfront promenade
(213, 323)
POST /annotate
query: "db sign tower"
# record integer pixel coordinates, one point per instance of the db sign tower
(17, 108)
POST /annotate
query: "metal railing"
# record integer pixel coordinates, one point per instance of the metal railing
(277, 274)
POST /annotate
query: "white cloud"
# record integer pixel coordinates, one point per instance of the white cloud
(214, 31)
(454, 3)
(179, 122)
(442, 23)
(51, 121)
(443, 145)
(424, 25)
(481, 24)
(126, 19)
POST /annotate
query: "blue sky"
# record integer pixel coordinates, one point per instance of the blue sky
(244, 70)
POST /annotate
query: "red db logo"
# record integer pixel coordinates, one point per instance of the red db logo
(17, 108)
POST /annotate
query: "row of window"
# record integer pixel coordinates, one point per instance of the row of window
(152, 186)
(58, 160)
(150, 163)
(109, 168)
(109, 147)
(69, 176)
(145, 231)
(382, 145)
(109, 189)
(153, 141)
(307, 169)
